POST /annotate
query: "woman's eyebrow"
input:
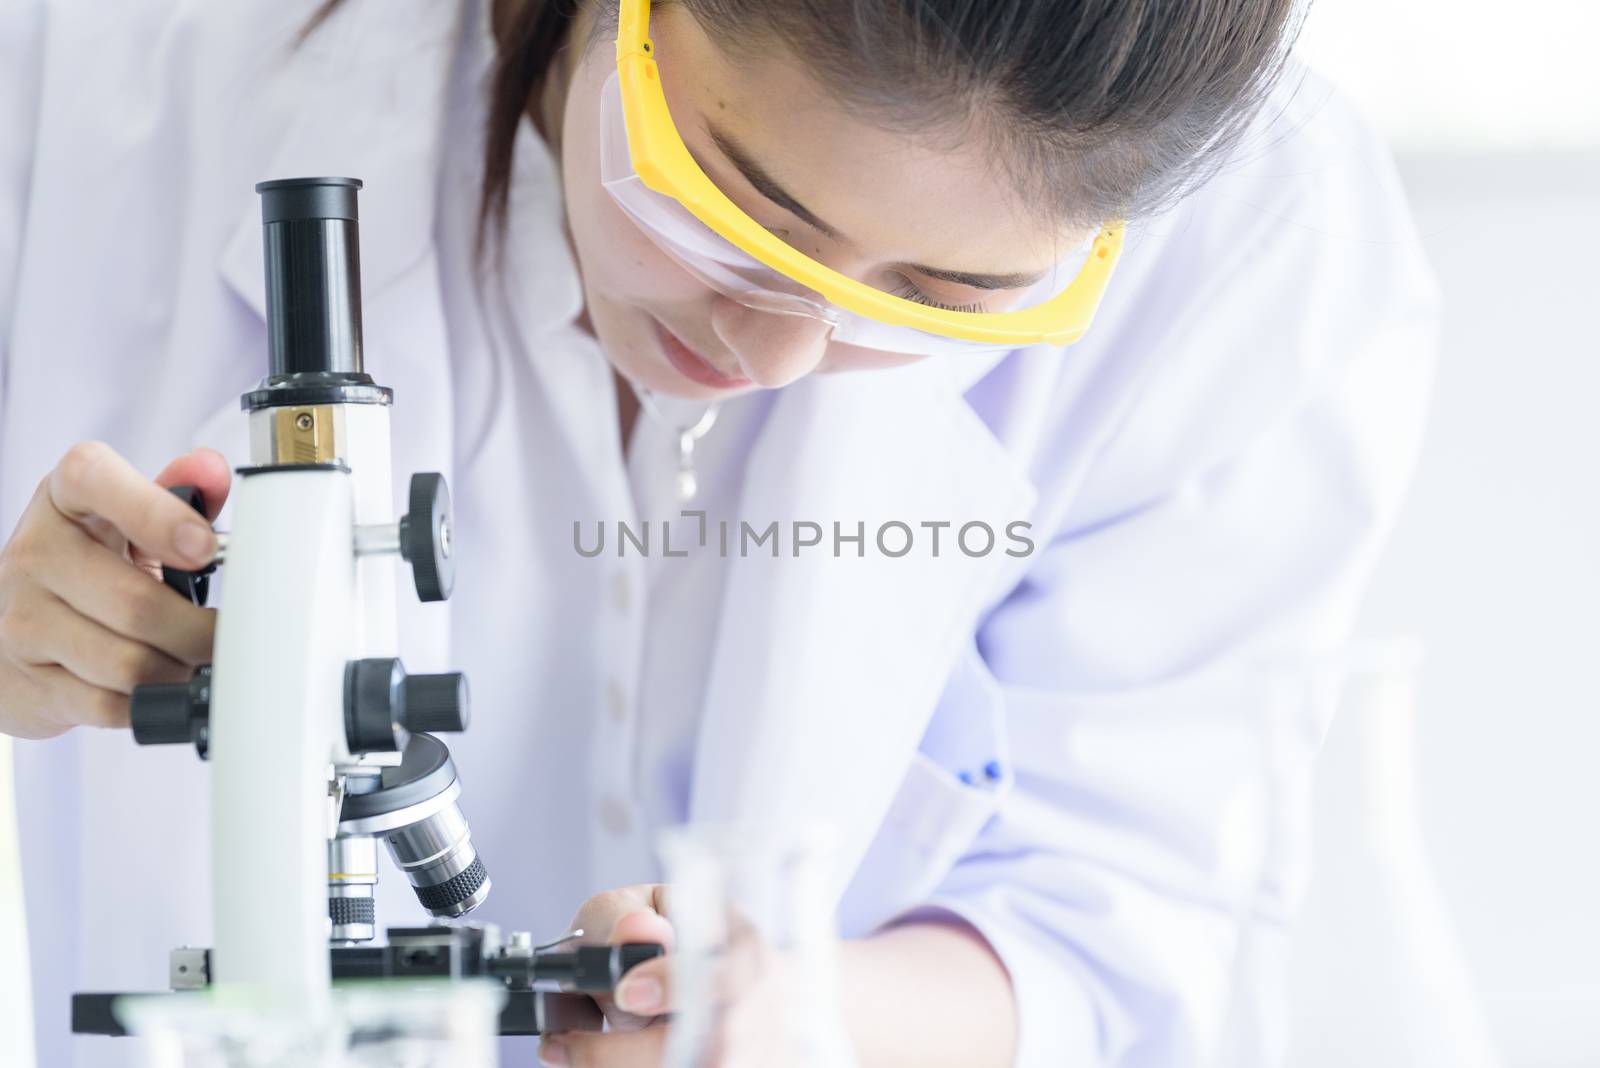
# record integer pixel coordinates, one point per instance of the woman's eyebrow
(981, 281)
(763, 182)
(767, 186)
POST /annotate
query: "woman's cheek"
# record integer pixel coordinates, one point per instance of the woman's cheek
(619, 261)
(632, 268)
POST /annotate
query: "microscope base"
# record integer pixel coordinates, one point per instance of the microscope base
(561, 1002)
(527, 1012)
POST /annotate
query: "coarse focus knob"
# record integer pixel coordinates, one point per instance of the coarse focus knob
(383, 705)
(425, 537)
(436, 703)
(374, 705)
(159, 714)
(173, 713)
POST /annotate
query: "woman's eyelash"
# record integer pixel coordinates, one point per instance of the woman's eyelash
(905, 289)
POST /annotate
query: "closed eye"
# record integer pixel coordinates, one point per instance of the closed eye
(906, 289)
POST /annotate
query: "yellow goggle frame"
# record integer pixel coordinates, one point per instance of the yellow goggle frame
(664, 164)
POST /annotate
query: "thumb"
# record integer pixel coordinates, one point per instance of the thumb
(205, 469)
(647, 988)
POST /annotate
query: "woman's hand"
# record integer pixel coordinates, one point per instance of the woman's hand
(637, 1033)
(749, 996)
(84, 616)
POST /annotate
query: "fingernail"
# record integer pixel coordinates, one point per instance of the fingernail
(552, 1053)
(195, 542)
(642, 996)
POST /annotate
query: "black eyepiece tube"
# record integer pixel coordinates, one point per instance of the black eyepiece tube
(313, 264)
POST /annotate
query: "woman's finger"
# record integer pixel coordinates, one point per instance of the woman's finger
(127, 599)
(609, 1049)
(49, 700)
(744, 960)
(647, 988)
(45, 630)
(207, 471)
(29, 712)
(67, 699)
(599, 915)
(602, 916)
(93, 480)
(643, 925)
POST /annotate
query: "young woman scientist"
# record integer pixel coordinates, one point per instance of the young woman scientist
(1066, 766)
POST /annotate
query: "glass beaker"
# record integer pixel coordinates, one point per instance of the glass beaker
(754, 970)
(381, 1024)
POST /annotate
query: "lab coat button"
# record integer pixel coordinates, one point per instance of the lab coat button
(614, 816)
(621, 593)
(616, 701)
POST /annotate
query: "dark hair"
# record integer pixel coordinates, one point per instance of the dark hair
(1099, 109)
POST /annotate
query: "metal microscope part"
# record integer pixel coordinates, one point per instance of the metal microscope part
(352, 874)
(311, 237)
(414, 811)
(425, 538)
(313, 267)
(193, 586)
(163, 713)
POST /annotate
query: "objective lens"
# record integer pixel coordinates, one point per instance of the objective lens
(437, 856)
(352, 873)
(415, 812)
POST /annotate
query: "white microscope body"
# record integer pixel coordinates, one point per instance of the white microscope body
(307, 704)
(301, 605)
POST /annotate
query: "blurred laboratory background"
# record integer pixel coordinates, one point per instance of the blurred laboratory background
(1454, 917)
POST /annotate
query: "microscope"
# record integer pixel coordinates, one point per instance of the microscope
(321, 744)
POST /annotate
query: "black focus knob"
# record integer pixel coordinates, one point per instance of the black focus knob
(383, 705)
(425, 537)
(375, 705)
(592, 968)
(436, 703)
(173, 713)
(192, 585)
(160, 713)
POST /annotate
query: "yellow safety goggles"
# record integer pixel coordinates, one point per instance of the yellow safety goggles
(652, 175)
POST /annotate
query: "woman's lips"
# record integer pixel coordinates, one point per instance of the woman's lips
(690, 365)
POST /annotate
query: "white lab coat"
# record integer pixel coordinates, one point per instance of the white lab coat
(1208, 476)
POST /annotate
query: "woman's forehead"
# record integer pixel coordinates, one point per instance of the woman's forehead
(884, 193)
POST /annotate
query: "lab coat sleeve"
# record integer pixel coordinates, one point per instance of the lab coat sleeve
(21, 46)
(1159, 672)
(21, 66)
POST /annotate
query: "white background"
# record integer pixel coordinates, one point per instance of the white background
(1494, 114)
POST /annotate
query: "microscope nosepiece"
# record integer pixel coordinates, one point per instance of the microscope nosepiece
(414, 811)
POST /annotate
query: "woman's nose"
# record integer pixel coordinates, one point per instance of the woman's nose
(773, 349)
